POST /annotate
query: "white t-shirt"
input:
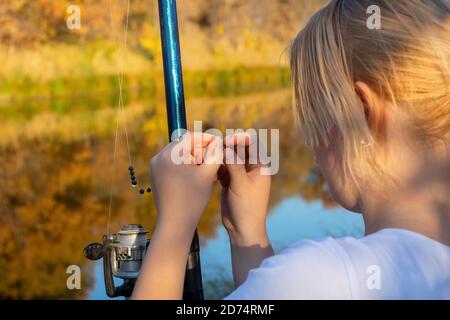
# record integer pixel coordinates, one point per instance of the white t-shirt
(389, 264)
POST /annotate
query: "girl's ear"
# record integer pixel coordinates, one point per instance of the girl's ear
(365, 94)
(373, 110)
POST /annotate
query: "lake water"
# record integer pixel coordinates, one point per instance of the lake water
(57, 176)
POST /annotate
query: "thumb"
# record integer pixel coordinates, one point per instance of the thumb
(213, 157)
(235, 165)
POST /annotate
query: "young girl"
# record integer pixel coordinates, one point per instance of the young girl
(374, 105)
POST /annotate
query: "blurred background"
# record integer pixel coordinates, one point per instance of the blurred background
(58, 104)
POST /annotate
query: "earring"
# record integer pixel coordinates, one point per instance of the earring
(365, 142)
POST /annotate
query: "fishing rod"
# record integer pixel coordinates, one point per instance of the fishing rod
(123, 252)
(176, 116)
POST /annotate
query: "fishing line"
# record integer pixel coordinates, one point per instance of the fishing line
(120, 114)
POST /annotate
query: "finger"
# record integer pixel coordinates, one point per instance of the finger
(193, 146)
(239, 143)
(199, 142)
(181, 151)
(248, 147)
(199, 155)
(213, 156)
(214, 151)
(235, 165)
(201, 139)
(194, 139)
(260, 165)
(240, 139)
(257, 159)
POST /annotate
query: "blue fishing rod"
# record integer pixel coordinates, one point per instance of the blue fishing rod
(176, 116)
(123, 251)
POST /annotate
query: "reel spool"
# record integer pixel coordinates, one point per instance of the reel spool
(122, 253)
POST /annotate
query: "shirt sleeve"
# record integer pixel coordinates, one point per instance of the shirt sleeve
(306, 270)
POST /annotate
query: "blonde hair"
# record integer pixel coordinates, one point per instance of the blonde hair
(406, 62)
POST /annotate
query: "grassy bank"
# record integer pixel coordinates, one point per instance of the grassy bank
(24, 98)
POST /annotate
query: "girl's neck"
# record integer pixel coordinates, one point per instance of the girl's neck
(420, 200)
(423, 208)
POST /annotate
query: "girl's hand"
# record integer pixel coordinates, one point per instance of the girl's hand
(245, 195)
(182, 177)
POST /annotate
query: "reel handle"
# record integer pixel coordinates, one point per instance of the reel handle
(94, 251)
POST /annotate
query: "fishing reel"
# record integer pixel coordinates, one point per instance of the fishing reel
(122, 253)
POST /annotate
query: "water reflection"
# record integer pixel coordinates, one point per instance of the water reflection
(56, 175)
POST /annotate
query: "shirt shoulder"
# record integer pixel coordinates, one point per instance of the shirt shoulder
(398, 264)
(390, 264)
(305, 270)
